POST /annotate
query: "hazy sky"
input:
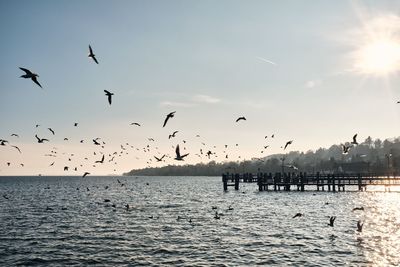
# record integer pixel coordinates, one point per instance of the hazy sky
(333, 73)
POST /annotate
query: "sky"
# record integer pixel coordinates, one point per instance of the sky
(315, 72)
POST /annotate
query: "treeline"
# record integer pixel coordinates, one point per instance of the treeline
(374, 156)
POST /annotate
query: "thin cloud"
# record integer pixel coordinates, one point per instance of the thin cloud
(176, 104)
(312, 83)
(206, 99)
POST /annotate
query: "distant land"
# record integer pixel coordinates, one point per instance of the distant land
(375, 156)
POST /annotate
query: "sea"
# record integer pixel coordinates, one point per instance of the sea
(190, 221)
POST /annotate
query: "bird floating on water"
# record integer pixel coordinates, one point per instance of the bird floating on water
(332, 220)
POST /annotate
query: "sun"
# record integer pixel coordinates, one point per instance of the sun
(378, 48)
(380, 57)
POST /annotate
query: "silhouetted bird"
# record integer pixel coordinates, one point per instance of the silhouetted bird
(17, 148)
(100, 161)
(51, 130)
(3, 142)
(135, 123)
(288, 143)
(216, 216)
(345, 149)
(109, 96)
(170, 115)
(41, 140)
(172, 135)
(359, 226)
(240, 118)
(358, 208)
(178, 154)
(297, 215)
(16, 135)
(159, 159)
(75, 124)
(85, 174)
(332, 220)
(354, 140)
(30, 75)
(95, 141)
(92, 55)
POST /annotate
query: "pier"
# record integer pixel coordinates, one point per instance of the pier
(299, 181)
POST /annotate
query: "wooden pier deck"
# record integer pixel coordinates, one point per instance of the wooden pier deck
(298, 181)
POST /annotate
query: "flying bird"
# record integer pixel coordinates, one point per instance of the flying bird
(41, 140)
(30, 75)
(17, 148)
(178, 154)
(75, 124)
(85, 174)
(159, 159)
(100, 161)
(288, 143)
(240, 118)
(331, 220)
(108, 94)
(345, 149)
(3, 142)
(95, 141)
(92, 55)
(16, 135)
(170, 115)
(172, 135)
(354, 140)
(135, 123)
(51, 130)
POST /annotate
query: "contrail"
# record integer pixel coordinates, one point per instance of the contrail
(266, 60)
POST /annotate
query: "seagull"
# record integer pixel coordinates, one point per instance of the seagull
(92, 55)
(359, 226)
(3, 142)
(108, 94)
(41, 140)
(170, 115)
(85, 174)
(16, 135)
(17, 148)
(178, 154)
(354, 140)
(172, 135)
(331, 220)
(51, 130)
(100, 161)
(288, 143)
(30, 75)
(345, 149)
(135, 123)
(297, 215)
(159, 159)
(75, 124)
(95, 141)
(240, 118)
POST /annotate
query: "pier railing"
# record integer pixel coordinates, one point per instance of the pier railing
(331, 182)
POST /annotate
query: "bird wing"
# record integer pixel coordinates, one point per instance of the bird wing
(107, 92)
(184, 155)
(95, 60)
(51, 130)
(109, 99)
(354, 138)
(17, 149)
(90, 50)
(37, 137)
(166, 120)
(178, 153)
(28, 72)
(34, 79)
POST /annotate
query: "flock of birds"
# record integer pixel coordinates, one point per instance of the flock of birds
(332, 219)
(179, 156)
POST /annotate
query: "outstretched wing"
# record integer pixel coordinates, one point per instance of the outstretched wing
(28, 72)
(95, 60)
(90, 50)
(166, 120)
(177, 151)
(34, 79)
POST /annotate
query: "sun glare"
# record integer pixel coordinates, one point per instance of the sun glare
(378, 50)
